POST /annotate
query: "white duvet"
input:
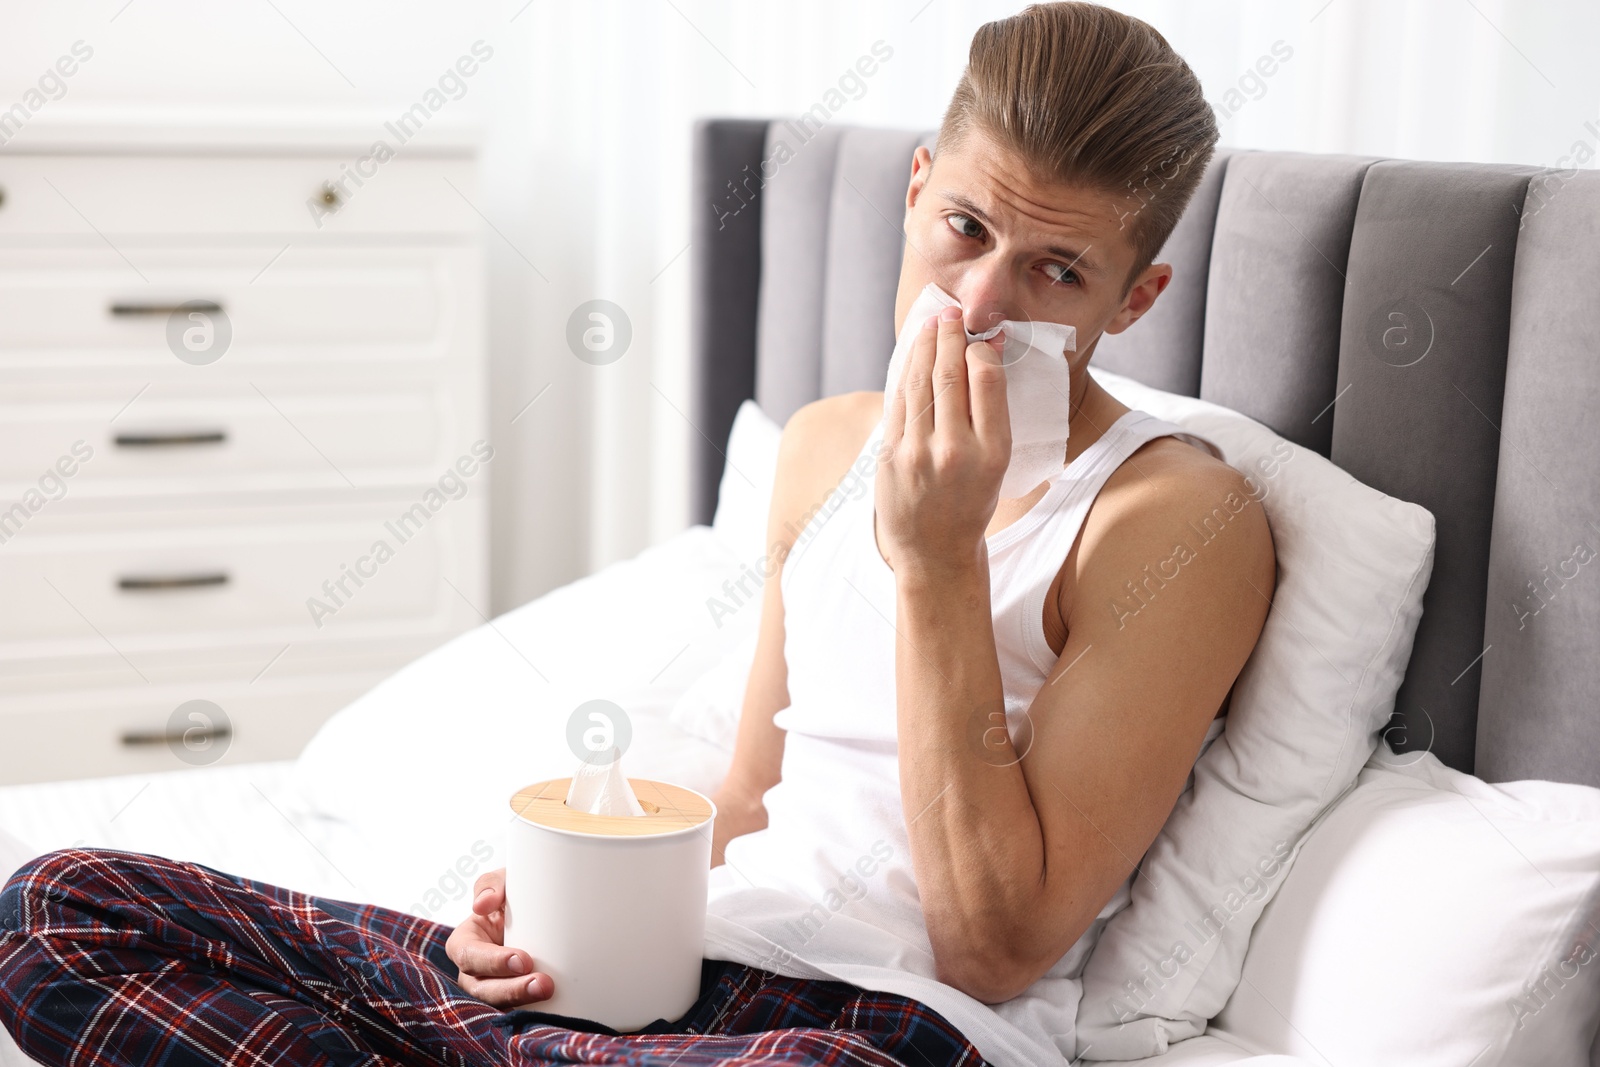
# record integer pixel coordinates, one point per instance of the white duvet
(412, 778)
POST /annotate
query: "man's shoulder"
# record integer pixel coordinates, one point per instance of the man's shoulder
(846, 415)
(1168, 504)
(1168, 472)
(820, 442)
(824, 437)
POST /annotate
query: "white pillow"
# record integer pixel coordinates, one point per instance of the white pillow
(745, 492)
(1433, 920)
(1305, 714)
(710, 708)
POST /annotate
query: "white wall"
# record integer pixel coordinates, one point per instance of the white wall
(586, 109)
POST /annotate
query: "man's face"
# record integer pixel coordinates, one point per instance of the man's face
(1007, 245)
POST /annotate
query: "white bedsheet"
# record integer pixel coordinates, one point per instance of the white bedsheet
(250, 820)
(216, 816)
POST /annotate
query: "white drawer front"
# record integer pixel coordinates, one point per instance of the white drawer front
(177, 438)
(90, 733)
(70, 307)
(75, 196)
(146, 583)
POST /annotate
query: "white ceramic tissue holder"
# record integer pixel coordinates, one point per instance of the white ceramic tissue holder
(611, 907)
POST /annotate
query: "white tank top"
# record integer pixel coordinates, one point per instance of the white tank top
(827, 889)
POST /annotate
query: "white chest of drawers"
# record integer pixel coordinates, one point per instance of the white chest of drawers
(243, 441)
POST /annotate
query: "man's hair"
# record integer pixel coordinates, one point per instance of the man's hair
(1092, 97)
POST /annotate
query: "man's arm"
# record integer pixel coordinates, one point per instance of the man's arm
(1014, 862)
(820, 441)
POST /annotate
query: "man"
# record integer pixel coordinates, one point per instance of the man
(967, 718)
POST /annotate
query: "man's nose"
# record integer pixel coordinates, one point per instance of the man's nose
(985, 297)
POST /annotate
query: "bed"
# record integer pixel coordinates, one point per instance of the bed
(1289, 266)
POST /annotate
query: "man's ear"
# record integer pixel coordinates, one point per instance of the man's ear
(1141, 296)
(921, 169)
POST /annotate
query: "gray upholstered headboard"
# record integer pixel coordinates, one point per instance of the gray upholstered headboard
(1449, 309)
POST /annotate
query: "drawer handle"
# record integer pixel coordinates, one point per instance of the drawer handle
(162, 440)
(194, 736)
(127, 310)
(156, 583)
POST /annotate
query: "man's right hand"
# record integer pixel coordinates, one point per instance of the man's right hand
(503, 977)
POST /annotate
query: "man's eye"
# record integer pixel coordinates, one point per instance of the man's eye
(965, 225)
(1060, 274)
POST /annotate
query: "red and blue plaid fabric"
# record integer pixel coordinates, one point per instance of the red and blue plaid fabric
(117, 958)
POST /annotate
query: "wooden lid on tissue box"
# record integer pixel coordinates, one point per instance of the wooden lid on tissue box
(667, 809)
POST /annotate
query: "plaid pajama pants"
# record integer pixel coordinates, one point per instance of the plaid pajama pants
(118, 958)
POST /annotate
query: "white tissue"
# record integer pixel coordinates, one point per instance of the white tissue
(1038, 387)
(599, 788)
